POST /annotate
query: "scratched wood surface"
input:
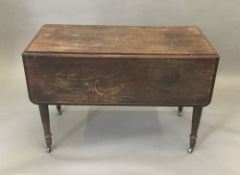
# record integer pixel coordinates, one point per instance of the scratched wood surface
(119, 81)
(187, 40)
(114, 65)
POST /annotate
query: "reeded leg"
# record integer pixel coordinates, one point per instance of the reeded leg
(196, 117)
(59, 109)
(180, 111)
(43, 109)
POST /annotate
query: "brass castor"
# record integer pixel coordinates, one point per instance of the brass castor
(48, 139)
(49, 149)
(180, 111)
(190, 150)
(59, 109)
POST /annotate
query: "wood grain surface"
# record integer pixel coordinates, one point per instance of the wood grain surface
(186, 40)
(151, 82)
(120, 65)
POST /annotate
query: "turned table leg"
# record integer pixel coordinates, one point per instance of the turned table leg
(180, 111)
(44, 112)
(196, 117)
(59, 109)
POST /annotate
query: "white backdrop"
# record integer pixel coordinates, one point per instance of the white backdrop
(119, 140)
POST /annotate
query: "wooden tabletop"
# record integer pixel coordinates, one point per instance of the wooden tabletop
(121, 40)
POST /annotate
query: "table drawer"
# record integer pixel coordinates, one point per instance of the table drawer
(113, 81)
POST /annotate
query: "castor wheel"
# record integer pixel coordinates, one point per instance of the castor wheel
(59, 109)
(180, 111)
(190, 150)
(49, 149)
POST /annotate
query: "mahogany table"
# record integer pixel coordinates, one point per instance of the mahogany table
(120, 65)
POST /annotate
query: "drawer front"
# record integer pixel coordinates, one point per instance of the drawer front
(106, 81)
